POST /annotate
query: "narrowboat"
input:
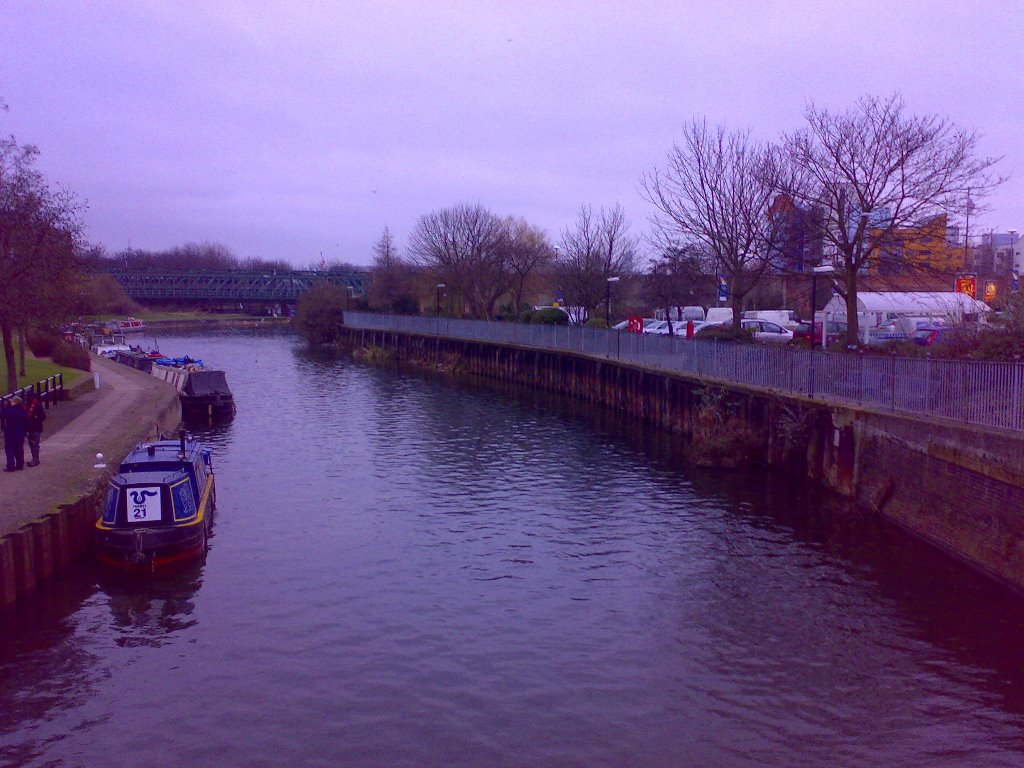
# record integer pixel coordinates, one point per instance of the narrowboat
(159, 506)
(203, 392)
(135, 357)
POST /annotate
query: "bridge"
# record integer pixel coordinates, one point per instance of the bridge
(231, 285)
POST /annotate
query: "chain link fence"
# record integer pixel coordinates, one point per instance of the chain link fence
(982, 393)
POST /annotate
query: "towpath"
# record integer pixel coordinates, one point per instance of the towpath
(129, 406)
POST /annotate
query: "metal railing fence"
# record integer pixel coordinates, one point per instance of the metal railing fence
(984, 393)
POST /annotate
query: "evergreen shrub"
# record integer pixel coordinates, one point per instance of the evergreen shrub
(550, 316)
(42, 343)
(72, 356)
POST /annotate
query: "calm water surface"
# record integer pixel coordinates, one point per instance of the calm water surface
(412, 572)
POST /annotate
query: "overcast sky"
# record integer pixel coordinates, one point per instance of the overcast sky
(287, 130)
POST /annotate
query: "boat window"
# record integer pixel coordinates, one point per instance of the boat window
(110, 506)
(184, 501)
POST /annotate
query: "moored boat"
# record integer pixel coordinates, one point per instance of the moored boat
(204, 392)
(130, 325)
(159, 506)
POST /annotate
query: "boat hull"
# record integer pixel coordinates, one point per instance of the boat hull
(150, 548)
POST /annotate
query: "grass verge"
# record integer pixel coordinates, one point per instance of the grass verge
(37, 369)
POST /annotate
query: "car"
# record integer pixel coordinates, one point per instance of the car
(661, 328)
(766, 330)
(930, 335)
(803, 332)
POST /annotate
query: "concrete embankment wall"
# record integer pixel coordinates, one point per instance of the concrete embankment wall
(46, 544)
(959, 487)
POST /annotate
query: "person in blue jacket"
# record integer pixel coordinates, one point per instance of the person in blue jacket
(15, 427)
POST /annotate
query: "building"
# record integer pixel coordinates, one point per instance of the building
(925, 248)
(798, 242)
(997, 254)
(875, 308)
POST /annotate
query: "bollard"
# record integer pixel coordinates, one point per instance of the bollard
(96, 379)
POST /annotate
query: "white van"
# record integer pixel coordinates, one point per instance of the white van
(680, 314)
(785, 317)
(719, 315)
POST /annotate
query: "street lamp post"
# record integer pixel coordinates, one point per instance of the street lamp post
(820, 270)
(608, 300)
(440, 287)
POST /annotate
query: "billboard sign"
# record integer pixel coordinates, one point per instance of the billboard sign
(967, 284)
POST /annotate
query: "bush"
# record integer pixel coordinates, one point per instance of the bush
(596, 322)
(319, 313)
(526, 315)
(72, 356)
(724, 333)
(43, 343)
(550, 316)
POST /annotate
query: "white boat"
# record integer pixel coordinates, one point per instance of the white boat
(130, 325)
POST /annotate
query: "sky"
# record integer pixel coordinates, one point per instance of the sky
(299, 130)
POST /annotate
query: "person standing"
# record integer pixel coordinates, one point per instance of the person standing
(35, 414)
(15, 423)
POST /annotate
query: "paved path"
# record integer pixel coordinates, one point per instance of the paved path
(129, 406)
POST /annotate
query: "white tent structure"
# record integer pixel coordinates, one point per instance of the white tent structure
(875, 308)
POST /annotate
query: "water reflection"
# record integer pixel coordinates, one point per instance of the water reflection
(418, 572)
(150, 610)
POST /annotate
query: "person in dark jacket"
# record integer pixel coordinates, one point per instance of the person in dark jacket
(15, 423)
(35, 413)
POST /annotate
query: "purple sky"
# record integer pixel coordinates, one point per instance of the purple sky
(287, 130)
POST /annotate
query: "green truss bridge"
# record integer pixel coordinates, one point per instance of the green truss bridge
(229, 285)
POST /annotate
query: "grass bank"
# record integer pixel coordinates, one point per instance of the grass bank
(37, 369)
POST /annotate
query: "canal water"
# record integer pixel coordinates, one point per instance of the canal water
(410, 571)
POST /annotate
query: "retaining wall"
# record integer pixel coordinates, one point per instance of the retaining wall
(959, 487)
(45, 546)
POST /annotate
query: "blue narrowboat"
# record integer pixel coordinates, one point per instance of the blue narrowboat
(159, 507)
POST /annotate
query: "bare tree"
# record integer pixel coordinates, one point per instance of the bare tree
(527, 254)
(677, 277)
(597, 247)
(391, 283)
(715, 192)
(40, 238)
(875, 170)
(461, 247)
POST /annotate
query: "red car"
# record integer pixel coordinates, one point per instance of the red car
(836, 333)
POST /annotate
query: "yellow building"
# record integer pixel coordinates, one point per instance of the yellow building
(922, 249)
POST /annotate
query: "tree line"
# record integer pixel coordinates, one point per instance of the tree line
(837, 193)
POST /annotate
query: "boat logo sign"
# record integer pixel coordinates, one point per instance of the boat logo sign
(145, 504)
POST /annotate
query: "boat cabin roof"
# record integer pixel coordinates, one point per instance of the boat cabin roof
(164, 456)
(158, 476)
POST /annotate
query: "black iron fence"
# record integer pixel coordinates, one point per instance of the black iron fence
(984, 393)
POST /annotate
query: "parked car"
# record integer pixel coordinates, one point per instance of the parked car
(765, 330)
(761, 330)
(784, 317)
(661, 328)
(930, 335)
(836, 332)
